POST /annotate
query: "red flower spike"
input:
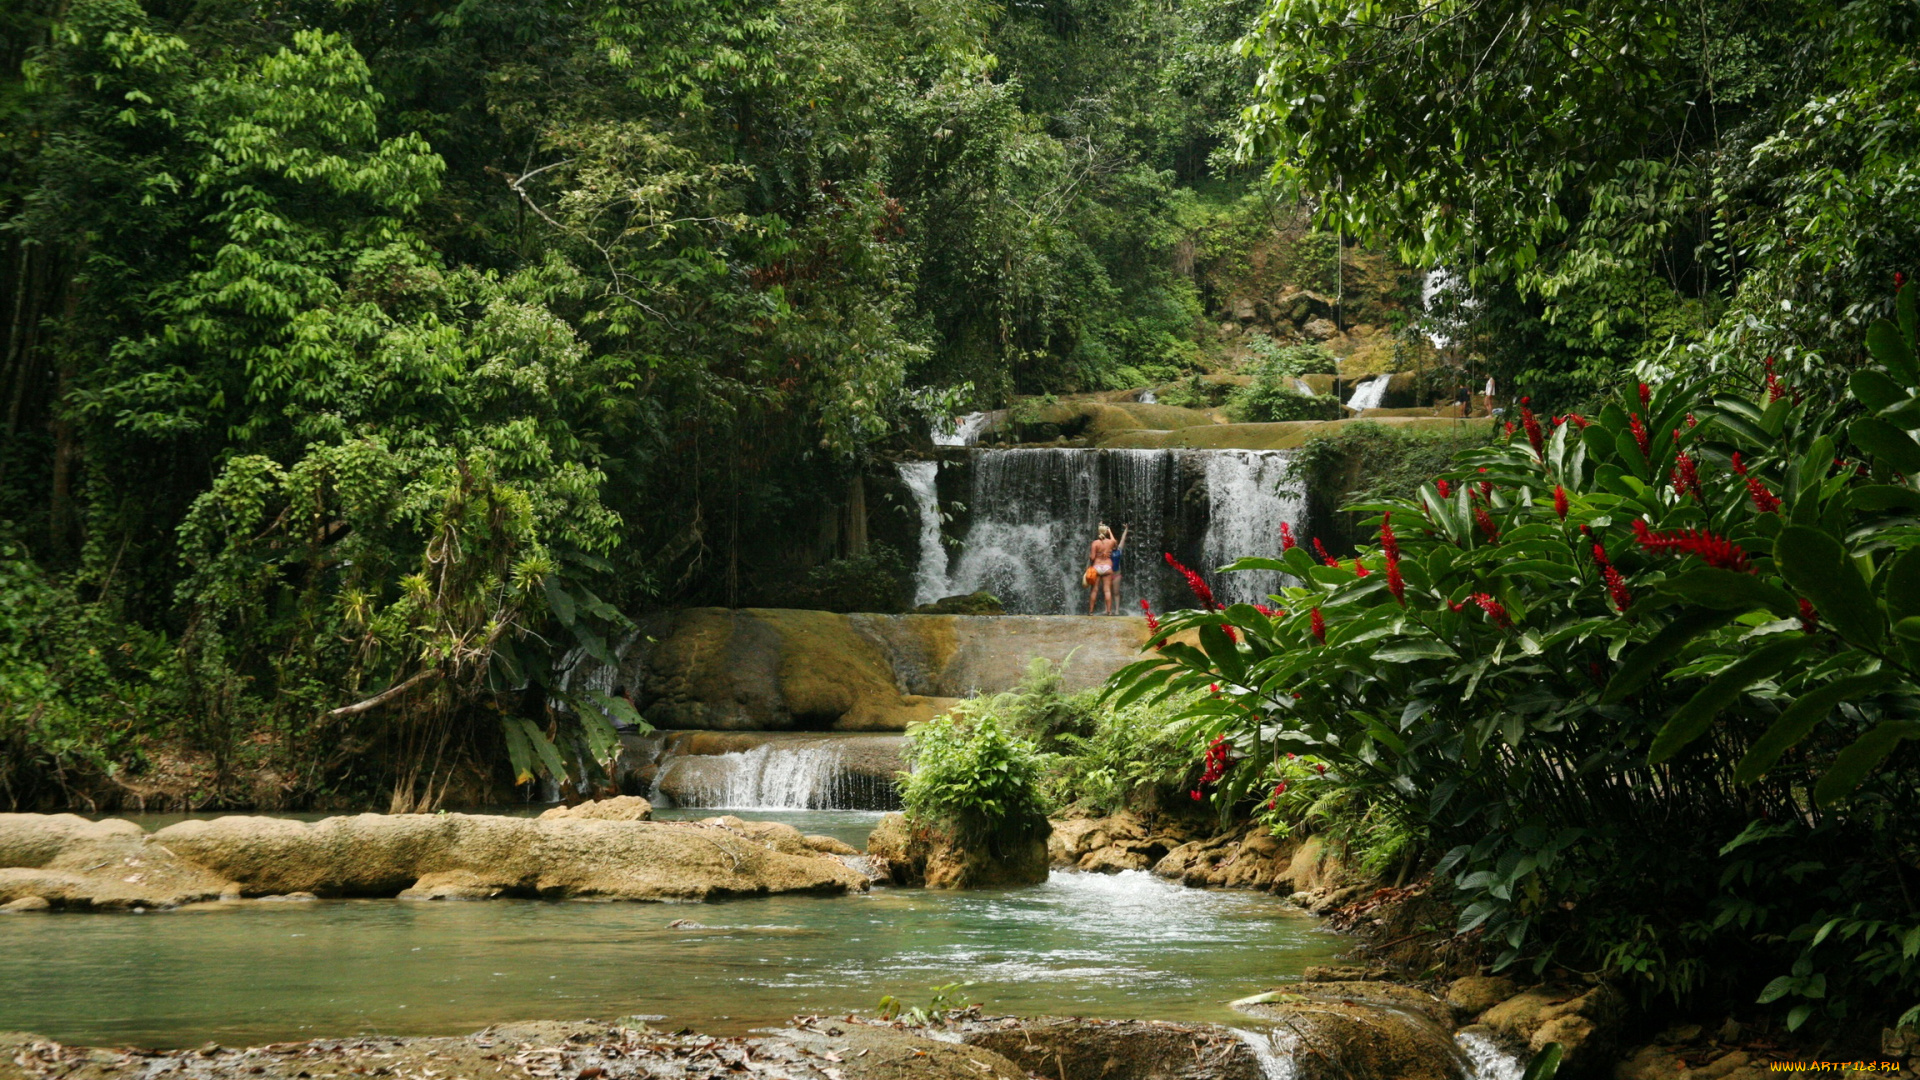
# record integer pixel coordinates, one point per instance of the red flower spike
(1153, 624)
(1195, 793)
(1324, 557)
(1395, 584)
(1809, 618)
(1646, 396)
(1486, 488)
(1494, 610)
(1319, 626)
(1686, 475)
(1580, 420)
(1268, 612)
(1600, 554)
(1445, 489)
(1388, 542)
(1763, 500)
(1197, 584)
(1640, 438)
(1739, 467)
(1455, 608)
(1775, 388)
(1534, 434)
(1360, 571)
(1560, 502)
(1509, 429)
(1215, 687)
(1320, 767)
(1526, 401)
(1486, 522)
(1714, 550)
(1287, 542)
(1617, 589)
(1691, 422)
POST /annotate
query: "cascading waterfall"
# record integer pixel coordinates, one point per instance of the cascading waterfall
(966, 430)
(769, 778)
(1033, 513)
(1369, 394)
(1247, 498)
(930, 572)
(1480, 1058)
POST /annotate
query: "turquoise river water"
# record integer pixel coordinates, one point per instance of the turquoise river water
(1127, 945)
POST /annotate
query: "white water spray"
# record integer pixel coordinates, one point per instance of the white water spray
(1248, 496)
(1369, 394)
(930, 572)
(763, 778)
(966, 430)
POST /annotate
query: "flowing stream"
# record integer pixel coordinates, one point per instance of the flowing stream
(1031, 513)
(1127, 945)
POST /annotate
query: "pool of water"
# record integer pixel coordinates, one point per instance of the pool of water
(1128, 945)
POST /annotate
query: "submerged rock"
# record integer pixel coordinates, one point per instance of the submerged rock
(74, 862)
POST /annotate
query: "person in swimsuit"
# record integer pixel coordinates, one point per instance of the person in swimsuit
(1119, 552)
(1100, 558)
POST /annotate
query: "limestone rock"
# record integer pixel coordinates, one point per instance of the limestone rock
(898, 851)
(1112, 860)
(1586, 1021)
(621, 808)
(830, 845)
(1319, 329)
(1117, 1049)
(26, 903)
(924, 856)
(1349, 1037)
(1476, 994)
(114, 864)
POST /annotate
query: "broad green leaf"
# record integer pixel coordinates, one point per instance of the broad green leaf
(1223, 652)
(1545, 1064)
(1886, 443)
(1798, 720)
(1640, 664)
(1691, 720)
(1817, 566)
(1730, 590)
(1885, 344)
(1853, 764)
(1402, 652)
(559, 600)
(1883, 497)
(1876, 391)
(1902, 588)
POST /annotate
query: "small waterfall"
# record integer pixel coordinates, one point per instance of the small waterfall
(1033, 512)
(1148, 397)
(930, 573)
(1273, 1049)
(966, 430)
(1300, 387)
(1369, 394)
(1486, 1059)
(1248, 498)
(770, 777)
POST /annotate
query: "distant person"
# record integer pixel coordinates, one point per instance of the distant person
(1119, 553)
(1100, 565)
(1490, 389)
(1465, 400)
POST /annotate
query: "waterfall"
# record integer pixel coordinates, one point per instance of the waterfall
(1031, 514)
(1273, 1049)
(966, 430)
(1486, 1059)
(770, 777)
(1247, 499)
(1369, 394)
(1148, 397)
(930, 573)
(1300, 387)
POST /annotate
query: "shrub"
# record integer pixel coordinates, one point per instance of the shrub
(1273, 395)
(1646, 680)
(872, 581)
(973, 777)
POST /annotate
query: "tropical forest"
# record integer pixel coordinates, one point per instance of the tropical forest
(959, 539)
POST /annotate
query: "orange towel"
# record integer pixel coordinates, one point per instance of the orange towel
(1092, 576)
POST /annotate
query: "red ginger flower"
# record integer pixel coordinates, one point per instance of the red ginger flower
(1534, 435)
(1494, 610)
(1560, 501)
(1686, 474)
(1318, 623)
(1763, 500)
(1388, 542)
(1640, 438)
(1445, 489)
(1267, 611)
(1646, 396)
(1579, 420)
(1360, 571)
(1486, 522)
(1617, 588)
(1509, 429)
(1395, 584)
(1219, 757)
(1195, 582)
(1739, 467)
(1809, 618)
(1153, 624)
(1324, 557)
(1279, 789)
(1715, 550)
(1287, 542)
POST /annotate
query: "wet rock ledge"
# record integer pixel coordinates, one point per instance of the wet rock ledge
(607, 850)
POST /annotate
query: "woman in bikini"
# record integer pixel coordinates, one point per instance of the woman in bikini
(1100, 560)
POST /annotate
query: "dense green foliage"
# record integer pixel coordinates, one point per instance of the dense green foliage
(972, 776)
(1643, 685)
(1609, 183)
(373, 358)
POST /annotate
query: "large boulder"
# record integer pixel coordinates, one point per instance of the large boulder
(1359, 1031)
(71, 862)
(1117, 1049)
(1585, 1020)
(763, 669)
(912, 854)
(619, 808)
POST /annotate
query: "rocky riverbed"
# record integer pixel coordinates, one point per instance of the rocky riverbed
(607, 850)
